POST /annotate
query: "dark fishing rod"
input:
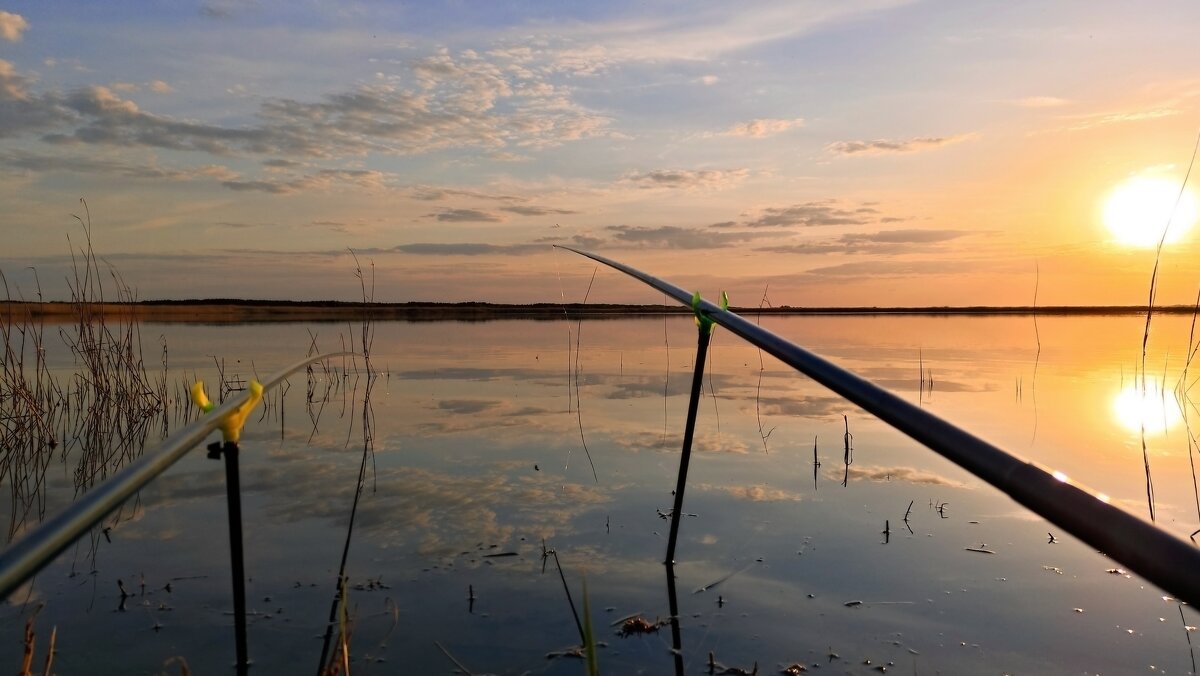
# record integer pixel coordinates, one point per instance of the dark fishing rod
(24, 558)
(1158, 556)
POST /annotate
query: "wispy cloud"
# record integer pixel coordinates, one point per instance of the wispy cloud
(323, 179)
(883, 242)
(439, 102)
(1041, 102)
(889, 146)
(469, 249)
(890, 269)
(530, 210)
(675, 237)
(467, 216)
(907, 474)
(905, 236)
(808, 214)
(435, 194)
(1102, 119)
(12, 26)
(688, 179)
(763, 127)
(703, 33)
(754, 493)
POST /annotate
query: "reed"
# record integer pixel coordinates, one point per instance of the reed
(99, 417)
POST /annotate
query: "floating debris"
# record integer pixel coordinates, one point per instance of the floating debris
(640, 625)
(1053, 569)
(981, 549)
(793, 669)
(851, 604)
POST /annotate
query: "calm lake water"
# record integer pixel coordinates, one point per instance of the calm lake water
(478, 452)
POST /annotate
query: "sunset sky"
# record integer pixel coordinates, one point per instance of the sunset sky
(862, 152)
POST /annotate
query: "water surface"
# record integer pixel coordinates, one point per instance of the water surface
(478, 451)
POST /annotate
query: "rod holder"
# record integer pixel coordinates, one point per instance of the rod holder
(233, 497)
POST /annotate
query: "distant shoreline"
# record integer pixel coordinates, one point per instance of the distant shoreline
(224, 310)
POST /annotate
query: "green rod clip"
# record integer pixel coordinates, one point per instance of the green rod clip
(703, 321)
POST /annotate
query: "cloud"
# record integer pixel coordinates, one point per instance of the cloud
(702, 442)
(888, 147)
(695, 33)
(21, 111)
(907, 236)
(587, 242)
(1092, 121)
(257, 186)
(893, 269)
(807, 248)
(763, 127)
(801, 406)
(431, 194)
(755, 493)
(709, 179)
(12, 26)
(709, 80)
(467, 406)
(467, 216)
(675, 237)
(160, 87)
(437, 102)
(17, 159)
(323, 179)
(224, 9)
(1041, 102)
(808, 214)
(537, 211)
(907, 474)
(468, 249)
(884, 242)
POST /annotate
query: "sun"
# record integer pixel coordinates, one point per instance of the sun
(1137, 210)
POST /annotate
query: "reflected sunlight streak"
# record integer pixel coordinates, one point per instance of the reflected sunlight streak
(1132, 408)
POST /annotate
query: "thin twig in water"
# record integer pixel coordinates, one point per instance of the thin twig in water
(1037, 357)
(578, 401)
(567, 589)
(1150, 314)
(452, 659)
(761, 368)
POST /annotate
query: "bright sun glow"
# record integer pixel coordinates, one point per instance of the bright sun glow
(1137, 210)
(1133, 408)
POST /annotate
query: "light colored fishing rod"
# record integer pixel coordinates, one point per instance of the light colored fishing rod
(27, 556)
(1162, 558)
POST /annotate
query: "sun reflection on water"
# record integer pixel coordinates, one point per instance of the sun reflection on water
(1151, 409)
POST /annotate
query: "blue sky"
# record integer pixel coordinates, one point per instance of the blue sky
(863, 152)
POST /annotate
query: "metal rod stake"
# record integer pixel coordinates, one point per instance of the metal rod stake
(688, 432)
(233, 496)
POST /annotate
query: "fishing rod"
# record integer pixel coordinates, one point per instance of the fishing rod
(1160, 557)
(24, 558)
